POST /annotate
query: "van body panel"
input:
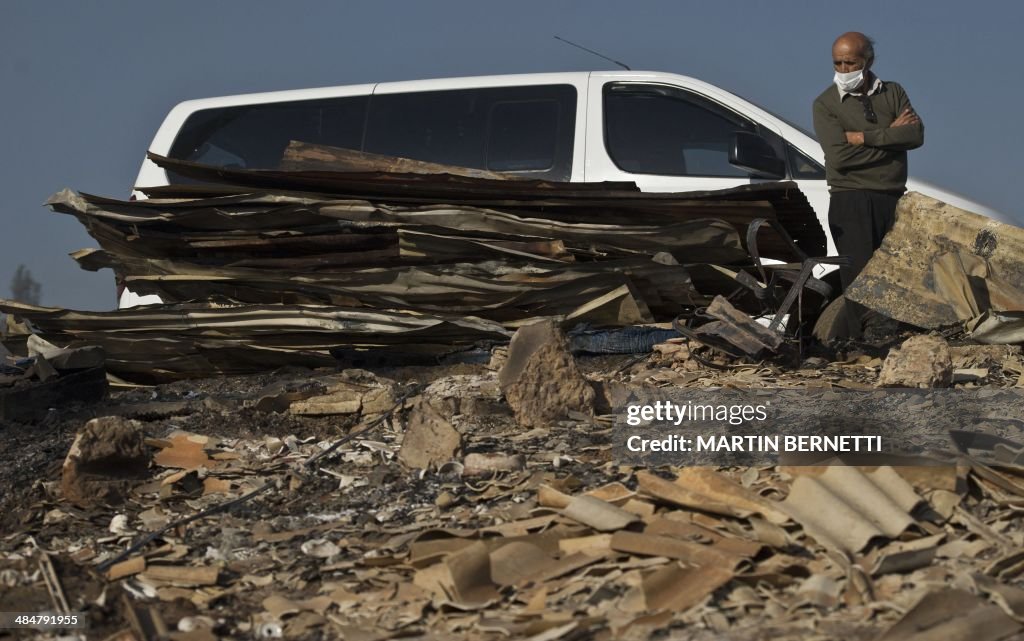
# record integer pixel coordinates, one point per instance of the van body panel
(576, 78)
(602, 138)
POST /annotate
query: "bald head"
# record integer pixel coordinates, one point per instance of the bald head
(852, 51)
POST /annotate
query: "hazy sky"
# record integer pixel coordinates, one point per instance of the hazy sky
(86, 84)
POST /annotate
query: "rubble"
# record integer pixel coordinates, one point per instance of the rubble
(540, 379)
(773, 201)
(47, 377)
(185, 451)
(27, 400)
(481, 464)
(952, 264)
(921, 361)
(364, 265)
(953, 614)
(455, 487)
(107, 458)
(429, 439)
(343, 398)
(191, 341)
(995, 328)
(735, 332)
(65, 359)
(844, 509)
(303, 156)
(968, 356)
(501, 541)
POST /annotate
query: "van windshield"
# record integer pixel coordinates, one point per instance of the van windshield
(803, 130)
(784, 119)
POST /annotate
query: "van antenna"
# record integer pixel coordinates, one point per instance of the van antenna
(594, 52)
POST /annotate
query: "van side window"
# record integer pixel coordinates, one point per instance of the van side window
(255, 136)
(527, 129)
(657, 129)
(522, 135)
(445, 127)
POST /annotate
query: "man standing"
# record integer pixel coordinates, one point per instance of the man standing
(865, 126)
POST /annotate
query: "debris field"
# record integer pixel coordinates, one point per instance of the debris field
(378, 406)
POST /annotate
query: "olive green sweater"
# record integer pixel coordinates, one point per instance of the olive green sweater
(880, 164)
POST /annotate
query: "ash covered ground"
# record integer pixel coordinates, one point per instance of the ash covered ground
(454, 512)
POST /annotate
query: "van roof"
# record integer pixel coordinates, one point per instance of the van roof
(464, 82)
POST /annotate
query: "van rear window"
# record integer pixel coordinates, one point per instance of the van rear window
(527, 130)
(255, 136)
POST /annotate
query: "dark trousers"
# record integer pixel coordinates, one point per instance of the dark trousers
(859, 219)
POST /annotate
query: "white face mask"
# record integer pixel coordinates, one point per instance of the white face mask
(849, 81)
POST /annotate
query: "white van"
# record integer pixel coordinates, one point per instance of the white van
(665, 132)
